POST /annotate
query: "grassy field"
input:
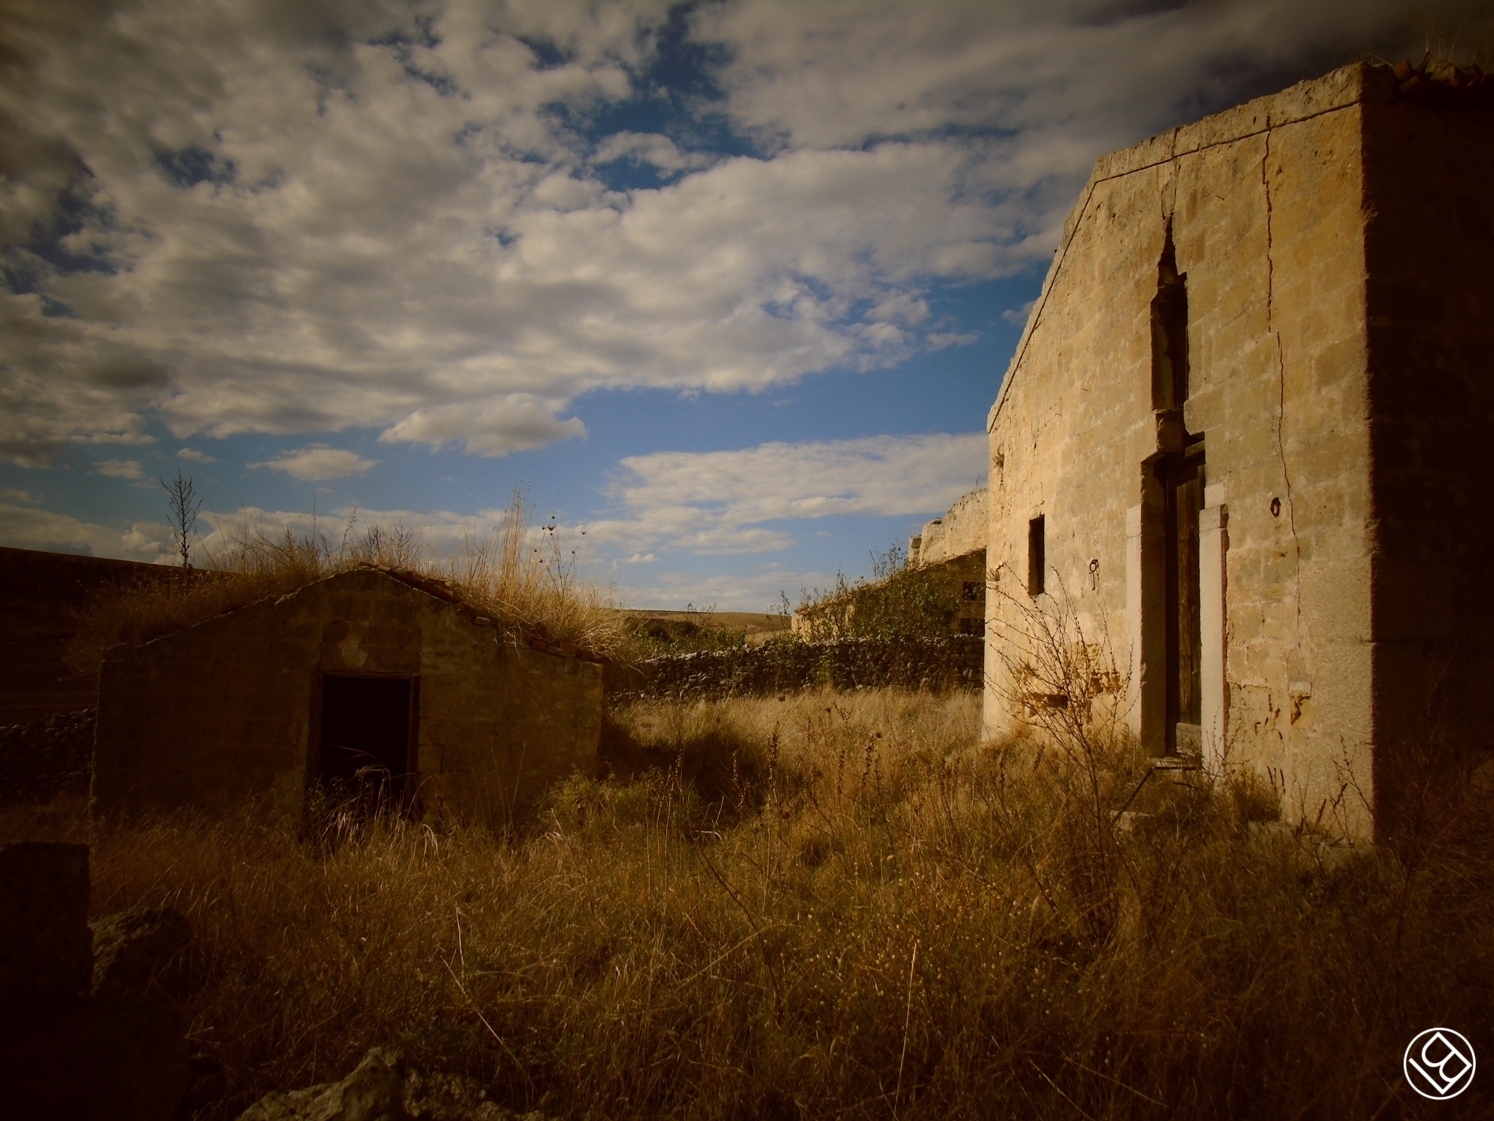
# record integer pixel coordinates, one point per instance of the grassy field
(837, 906)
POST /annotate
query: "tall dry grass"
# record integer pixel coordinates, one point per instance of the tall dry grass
(853, 910)
(516, 573)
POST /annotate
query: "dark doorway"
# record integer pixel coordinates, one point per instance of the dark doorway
(1182, 478)
(367, 734)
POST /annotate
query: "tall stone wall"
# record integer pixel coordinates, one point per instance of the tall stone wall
(1265, 207)
(1428, 247)
(227, 709)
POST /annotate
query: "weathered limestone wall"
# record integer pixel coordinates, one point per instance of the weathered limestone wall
(226, 709)
(1429, 244)
(962, 529)
(1265, 203)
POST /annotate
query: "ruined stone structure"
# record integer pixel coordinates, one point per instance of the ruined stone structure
(956, 544)
(959, 532)
(953, 546)
(366, 672)
(1249, 429)
(43, 597)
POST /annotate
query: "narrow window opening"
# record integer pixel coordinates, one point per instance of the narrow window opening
(1182, 478)
(1036, 556)
(1169, 333)
(365, 748)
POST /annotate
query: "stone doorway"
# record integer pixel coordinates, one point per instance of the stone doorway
(1182, 479)
(366, 741)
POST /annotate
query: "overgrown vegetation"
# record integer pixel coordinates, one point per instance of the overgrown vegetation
(784, 665)
(654, 637)
(837, 905)
(896, 603)
(517, 574)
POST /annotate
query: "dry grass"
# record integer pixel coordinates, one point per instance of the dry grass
(864, 914)
(517, 574)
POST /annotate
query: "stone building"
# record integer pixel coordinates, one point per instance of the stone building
(369, 672)
(1248, 433)
(956, 544)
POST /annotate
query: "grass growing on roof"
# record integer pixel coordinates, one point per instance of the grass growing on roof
(516, 573)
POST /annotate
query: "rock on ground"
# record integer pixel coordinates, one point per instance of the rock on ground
(140, 947)
(381, 1088)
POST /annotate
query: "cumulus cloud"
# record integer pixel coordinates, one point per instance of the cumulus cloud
(23, 527)
(494, 428)
(318, 462)
(759, 590)
(300, 219)
(119, 469)
(192, 455)
(726, 502)
(1018, 315)
(649, 148)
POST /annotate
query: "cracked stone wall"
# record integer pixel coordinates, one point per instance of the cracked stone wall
(1329, 345)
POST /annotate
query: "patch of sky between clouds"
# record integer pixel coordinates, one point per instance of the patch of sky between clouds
(673, 96)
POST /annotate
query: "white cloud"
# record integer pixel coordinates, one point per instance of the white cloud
(119, 469)
(651, 148)
(192, 455)
(23, 496)
(722, 502)
(754, 591)
(317, 462)
(29, 528)
(1018, 315)
(517, 422)
(1059, 76)
(300, 219)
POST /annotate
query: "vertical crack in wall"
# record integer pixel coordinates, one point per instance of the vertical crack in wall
(1286, 473)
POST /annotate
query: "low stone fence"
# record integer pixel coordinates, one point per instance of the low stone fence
(46, 757)
(934, 665)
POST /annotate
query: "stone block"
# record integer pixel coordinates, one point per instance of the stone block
(46, 948)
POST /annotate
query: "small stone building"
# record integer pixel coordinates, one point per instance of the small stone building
(370, 671)
(1248, 437)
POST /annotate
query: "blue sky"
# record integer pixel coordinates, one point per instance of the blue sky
(730, 286)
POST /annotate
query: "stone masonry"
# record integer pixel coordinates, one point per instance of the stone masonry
(1248, 436)
(238, 706)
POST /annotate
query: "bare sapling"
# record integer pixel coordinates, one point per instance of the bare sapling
(184, 506)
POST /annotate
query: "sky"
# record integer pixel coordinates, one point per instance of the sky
(724, 288)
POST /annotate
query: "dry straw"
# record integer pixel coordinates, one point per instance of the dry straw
(516, 573)
(864, 913)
